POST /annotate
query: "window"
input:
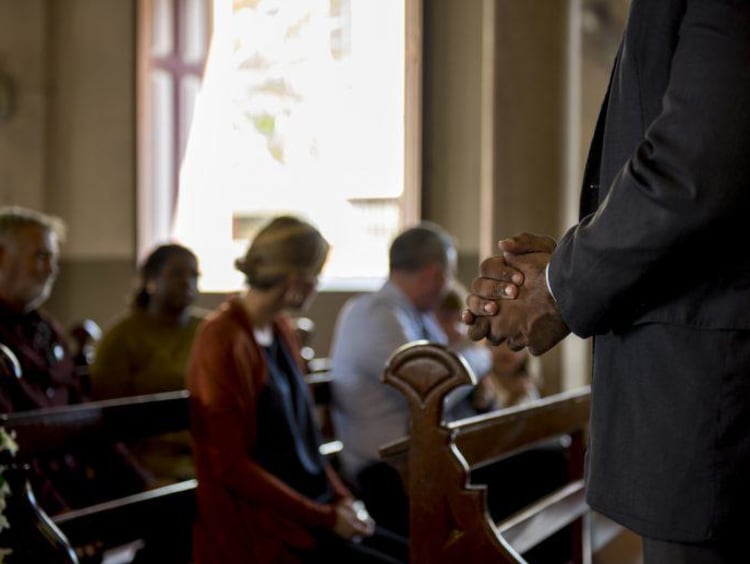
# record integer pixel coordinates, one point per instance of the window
(302, 109)
(173, 44)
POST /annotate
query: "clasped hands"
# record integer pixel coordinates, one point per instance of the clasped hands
(353, 522)
(510, 301)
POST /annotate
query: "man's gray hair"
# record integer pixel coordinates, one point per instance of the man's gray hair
(420, 246)
(15, 218)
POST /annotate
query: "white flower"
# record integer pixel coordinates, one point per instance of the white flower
(7, 441)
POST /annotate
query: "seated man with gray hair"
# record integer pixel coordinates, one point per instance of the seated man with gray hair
(29, 250)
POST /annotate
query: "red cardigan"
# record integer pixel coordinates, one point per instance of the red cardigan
(245, 514)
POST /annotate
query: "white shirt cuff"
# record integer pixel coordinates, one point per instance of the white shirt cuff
(549, 288)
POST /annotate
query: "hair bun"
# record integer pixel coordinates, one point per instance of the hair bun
(286, 244)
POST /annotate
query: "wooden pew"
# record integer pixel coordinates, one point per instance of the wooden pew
(449, 519)
(169, 510)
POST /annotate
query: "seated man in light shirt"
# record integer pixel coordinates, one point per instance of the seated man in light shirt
(367, 413)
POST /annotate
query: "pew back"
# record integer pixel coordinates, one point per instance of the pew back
(449, 519)
(166, 512)
(169, 510)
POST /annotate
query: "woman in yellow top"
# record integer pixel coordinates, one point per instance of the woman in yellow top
(147, 349)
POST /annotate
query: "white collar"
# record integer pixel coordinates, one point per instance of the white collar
(264, 336)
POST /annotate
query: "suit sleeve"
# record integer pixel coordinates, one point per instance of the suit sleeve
(687, 178)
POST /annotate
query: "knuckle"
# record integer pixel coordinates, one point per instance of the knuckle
(475, 305)
(475, 334)
(475, 288)
(495, 339)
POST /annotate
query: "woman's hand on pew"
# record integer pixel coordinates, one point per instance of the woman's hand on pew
(352, 520)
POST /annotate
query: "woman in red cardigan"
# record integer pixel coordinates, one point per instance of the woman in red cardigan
(265, 494)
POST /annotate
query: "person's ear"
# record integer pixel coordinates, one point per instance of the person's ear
(150, 287)
(289, 285)
(292, 293)
(292, 278)
(425, 272)
(291, 282)
(432, 270)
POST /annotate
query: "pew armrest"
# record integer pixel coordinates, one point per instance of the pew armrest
(449, 518)
(47, 431)
(164, 513)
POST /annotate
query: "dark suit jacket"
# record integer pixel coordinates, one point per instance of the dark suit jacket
(658, 270)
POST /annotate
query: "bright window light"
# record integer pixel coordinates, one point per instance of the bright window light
(301, 111)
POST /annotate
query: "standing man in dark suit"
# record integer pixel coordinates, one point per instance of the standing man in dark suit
(658, 273)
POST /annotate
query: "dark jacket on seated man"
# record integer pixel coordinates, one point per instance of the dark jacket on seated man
(28, 267)
(49, 378)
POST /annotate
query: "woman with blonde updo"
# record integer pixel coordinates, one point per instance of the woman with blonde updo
(265, 493)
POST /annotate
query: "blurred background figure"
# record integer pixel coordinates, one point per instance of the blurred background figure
(448, 314)
(508, 381)
(46, 375)
(146, 351)
(265, 493)
(511, 379)
(368, 414)
(29, 252)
